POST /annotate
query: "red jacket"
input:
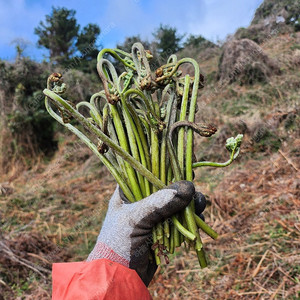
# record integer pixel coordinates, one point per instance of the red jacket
(96, 280)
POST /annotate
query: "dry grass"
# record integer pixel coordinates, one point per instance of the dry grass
(254, 204)
(245, 61)
(256, 211)
(61, 203)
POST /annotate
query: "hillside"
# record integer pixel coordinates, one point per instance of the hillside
(52, 212)
(272, 17)
(277, 11)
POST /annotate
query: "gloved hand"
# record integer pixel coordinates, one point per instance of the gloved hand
(126, 234)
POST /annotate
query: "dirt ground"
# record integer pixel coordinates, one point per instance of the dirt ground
(53, 211)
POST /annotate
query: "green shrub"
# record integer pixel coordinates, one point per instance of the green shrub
(265, 140)
(27, 129)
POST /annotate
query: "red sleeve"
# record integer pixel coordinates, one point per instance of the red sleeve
(96, 280)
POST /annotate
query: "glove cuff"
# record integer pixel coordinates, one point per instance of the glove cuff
(101, 250)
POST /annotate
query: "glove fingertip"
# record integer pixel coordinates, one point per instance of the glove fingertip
(185, 189)
(202, 217)
(200, 203)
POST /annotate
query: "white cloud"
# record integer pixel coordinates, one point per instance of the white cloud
(211, 18)
(224, 17)
(142, 17)
(128, 16)
(17, 21)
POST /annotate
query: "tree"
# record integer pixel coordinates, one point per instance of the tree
(199, 42)
(168, 40)
(58, 34)
(86, 41)
(20, 46)
(86, 44)
(127, 45)
(129, 41)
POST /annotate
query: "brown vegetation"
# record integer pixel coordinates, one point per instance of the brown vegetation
(244, 61)
(253, 204)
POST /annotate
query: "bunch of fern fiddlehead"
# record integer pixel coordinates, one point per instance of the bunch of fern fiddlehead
(141, 126)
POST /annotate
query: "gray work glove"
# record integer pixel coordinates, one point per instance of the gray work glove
(126, 234)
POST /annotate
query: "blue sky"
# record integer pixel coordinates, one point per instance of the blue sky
(214, 19)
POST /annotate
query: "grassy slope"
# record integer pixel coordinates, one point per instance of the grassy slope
(254, 203)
